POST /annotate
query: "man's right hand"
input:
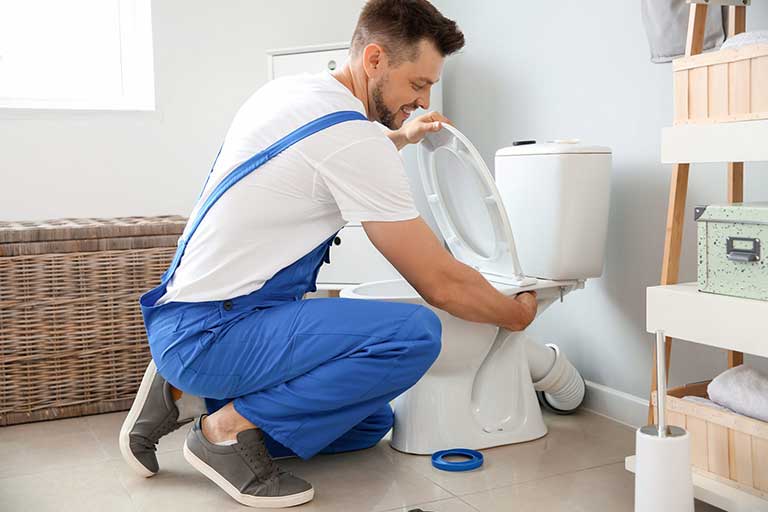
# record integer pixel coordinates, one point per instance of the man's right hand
(529, 305)
(444, 282)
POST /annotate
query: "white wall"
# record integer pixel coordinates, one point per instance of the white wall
(209, 57)
(530, 70)
(547, 70)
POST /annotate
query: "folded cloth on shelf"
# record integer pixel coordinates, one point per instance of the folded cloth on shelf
(743, 390)
(666, 25)
(746, 39)
(700, 400)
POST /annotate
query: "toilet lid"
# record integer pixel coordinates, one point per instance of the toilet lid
(467, 206)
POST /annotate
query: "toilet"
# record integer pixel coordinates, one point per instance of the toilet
(482, 389)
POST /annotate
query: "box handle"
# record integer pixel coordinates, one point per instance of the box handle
(742, 250)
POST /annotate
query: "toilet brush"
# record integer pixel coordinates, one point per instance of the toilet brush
(662, 456)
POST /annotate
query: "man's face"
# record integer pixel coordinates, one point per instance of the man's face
(398, 91)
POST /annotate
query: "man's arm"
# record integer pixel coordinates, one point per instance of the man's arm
(444, 282)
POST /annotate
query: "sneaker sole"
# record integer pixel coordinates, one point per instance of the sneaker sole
(246, 499)
(130, 420)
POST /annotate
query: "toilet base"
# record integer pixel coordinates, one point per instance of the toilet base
(495, 406)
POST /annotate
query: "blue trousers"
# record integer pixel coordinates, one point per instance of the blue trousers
(315, 375)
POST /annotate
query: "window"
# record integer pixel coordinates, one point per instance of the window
(76, 54)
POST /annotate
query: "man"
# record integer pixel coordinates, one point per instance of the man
(281, 375)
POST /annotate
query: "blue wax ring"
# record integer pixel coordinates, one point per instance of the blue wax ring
(474, 462)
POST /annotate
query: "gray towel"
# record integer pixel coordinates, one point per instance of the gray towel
(743, 390)
(666, 26)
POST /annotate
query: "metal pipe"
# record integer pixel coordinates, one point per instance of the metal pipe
(661, 384)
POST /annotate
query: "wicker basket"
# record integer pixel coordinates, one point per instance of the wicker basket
(725, 446)
(72, 339)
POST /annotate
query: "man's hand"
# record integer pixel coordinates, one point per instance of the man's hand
(529, 305)
(413, 131)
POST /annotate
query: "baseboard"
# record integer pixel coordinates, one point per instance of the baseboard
(616, 405)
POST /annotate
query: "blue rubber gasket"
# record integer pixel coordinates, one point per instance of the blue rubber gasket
(474, 462)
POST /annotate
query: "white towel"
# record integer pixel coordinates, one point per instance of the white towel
(700, 400)
(746, 39)
(743, 390)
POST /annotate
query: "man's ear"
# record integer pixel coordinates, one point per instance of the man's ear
(374, 60)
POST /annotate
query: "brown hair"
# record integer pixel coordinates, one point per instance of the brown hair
(399, 25)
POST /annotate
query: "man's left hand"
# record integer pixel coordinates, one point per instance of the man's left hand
(413, 131)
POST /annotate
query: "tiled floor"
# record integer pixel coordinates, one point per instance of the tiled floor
(75, 465)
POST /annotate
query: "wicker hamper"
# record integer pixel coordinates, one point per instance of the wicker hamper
(72, 339)
(725, 446)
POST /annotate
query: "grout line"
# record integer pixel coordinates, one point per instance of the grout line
(426, 504)
(467, 503)
(96, 439)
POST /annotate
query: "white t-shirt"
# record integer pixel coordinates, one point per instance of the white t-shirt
(350, 172)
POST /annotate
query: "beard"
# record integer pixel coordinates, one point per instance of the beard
(384, 115)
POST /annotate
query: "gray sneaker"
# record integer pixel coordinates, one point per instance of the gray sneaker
(245, 471)
(152, 415)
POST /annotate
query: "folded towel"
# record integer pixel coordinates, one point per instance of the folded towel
(745, 39)
(700, 400)
(743, 390)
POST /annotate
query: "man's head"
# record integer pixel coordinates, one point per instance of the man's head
(401, 45)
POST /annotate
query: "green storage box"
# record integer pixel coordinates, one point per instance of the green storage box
(732, 240)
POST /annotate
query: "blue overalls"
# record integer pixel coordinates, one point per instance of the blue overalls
(315, 375)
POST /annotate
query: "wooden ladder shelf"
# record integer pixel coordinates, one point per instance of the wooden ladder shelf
(679, 182)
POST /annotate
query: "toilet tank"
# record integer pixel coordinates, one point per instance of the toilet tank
(557, 195)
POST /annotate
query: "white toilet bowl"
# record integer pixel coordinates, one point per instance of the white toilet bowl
(481, 390)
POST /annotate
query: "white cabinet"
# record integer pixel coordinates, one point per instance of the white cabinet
(282, 64)
(354, 259)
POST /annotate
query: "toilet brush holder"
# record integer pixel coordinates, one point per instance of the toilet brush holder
(662, 457)
(663, 470)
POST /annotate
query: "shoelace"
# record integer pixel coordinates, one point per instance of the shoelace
(257, 457)
(168, 425)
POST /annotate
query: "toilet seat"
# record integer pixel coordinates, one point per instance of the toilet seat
(467, 206)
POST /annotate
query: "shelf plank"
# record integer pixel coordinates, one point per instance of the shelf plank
(741, 141)
(717, 493)
(732, 323)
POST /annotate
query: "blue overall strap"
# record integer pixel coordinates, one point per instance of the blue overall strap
(250, 165)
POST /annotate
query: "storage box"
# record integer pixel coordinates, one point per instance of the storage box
(732, 242)
(725, 446)
(72, 338)
(722, 86)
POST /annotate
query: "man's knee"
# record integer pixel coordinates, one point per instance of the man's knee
(424, 330)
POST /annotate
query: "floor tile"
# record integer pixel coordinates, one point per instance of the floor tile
(88, 488)
(362, 481)
(368, 480)
(449, 505)
(177, 487)
(580, 441)
(75, 464)
(604, 489)
(47, 446)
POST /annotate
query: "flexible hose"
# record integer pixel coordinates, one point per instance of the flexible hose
(555, 376)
